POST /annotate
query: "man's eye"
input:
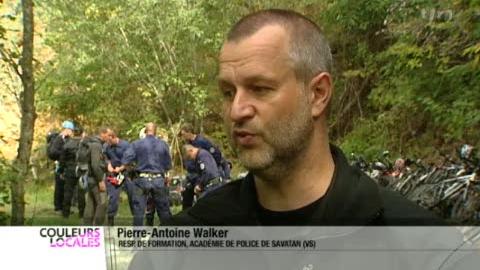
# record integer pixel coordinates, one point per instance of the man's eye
(228, 93)
(261, 88)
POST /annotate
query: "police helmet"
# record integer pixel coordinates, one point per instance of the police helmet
(68, 125)
(466, 151)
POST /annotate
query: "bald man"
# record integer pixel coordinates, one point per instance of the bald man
(152, 157)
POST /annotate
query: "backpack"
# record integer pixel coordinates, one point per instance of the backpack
(51, 135)
(82, 159)
(53, 155)
(70, 150)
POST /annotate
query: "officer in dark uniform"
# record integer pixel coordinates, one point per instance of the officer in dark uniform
(188, 193)
(114, 152)
(188, 134)
(153, 160)
(208, 173)
(54, 151)
(69, 164)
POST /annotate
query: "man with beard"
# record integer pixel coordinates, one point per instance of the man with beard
(275, 77)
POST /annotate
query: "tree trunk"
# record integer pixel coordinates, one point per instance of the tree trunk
(28, 116)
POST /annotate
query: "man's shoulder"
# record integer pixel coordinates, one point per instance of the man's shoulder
(220, 206)
(136, 142)
(94, 142)
(164, 142)
(203, 153)
(203, 141)
(201, 137)
(142, 142)
(398, 210)
(72, 142)
(159, 141)
(123, 143)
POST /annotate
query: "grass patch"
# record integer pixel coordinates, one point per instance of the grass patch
(39, 210)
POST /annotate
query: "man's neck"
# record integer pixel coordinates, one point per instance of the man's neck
(195, 154)
(303, 182)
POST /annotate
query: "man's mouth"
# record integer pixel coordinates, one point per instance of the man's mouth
(244, 138)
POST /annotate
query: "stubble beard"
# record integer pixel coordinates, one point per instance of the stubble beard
(282, 145)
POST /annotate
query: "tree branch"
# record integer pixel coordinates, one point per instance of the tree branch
(11, 61)
(44, 78)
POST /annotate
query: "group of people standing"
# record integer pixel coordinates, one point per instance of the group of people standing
(94, 170)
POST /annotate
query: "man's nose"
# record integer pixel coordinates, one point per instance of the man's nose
(241, 107)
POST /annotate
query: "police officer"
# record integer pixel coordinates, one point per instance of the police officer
(188, 193)
(153, 160)
(188, 134)
(54, 151)
(150, 210)
(114, 152)
(68, 163)
(208, 173)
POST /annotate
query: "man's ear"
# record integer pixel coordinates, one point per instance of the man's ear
(320, 91)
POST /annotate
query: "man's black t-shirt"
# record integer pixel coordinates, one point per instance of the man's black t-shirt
(297, 217)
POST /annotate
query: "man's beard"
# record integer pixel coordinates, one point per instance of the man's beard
(281, 142)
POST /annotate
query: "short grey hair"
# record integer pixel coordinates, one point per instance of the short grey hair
(188, 147)
(308, 47)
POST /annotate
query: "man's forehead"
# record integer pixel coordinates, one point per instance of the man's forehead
(270, 37)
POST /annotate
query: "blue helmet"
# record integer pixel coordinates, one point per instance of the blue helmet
(68, 124)
(466, 151)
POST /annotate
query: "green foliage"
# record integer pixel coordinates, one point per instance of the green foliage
(406, 72)
(7, 174)
(423, 91)
(130, 63)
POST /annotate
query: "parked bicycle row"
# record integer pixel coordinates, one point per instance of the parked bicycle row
(450, 188)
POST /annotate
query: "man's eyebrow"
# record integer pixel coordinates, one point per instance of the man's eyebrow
(259, 79)
(248, 80)
(223, 83)
(222, 80)
(219, 78)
